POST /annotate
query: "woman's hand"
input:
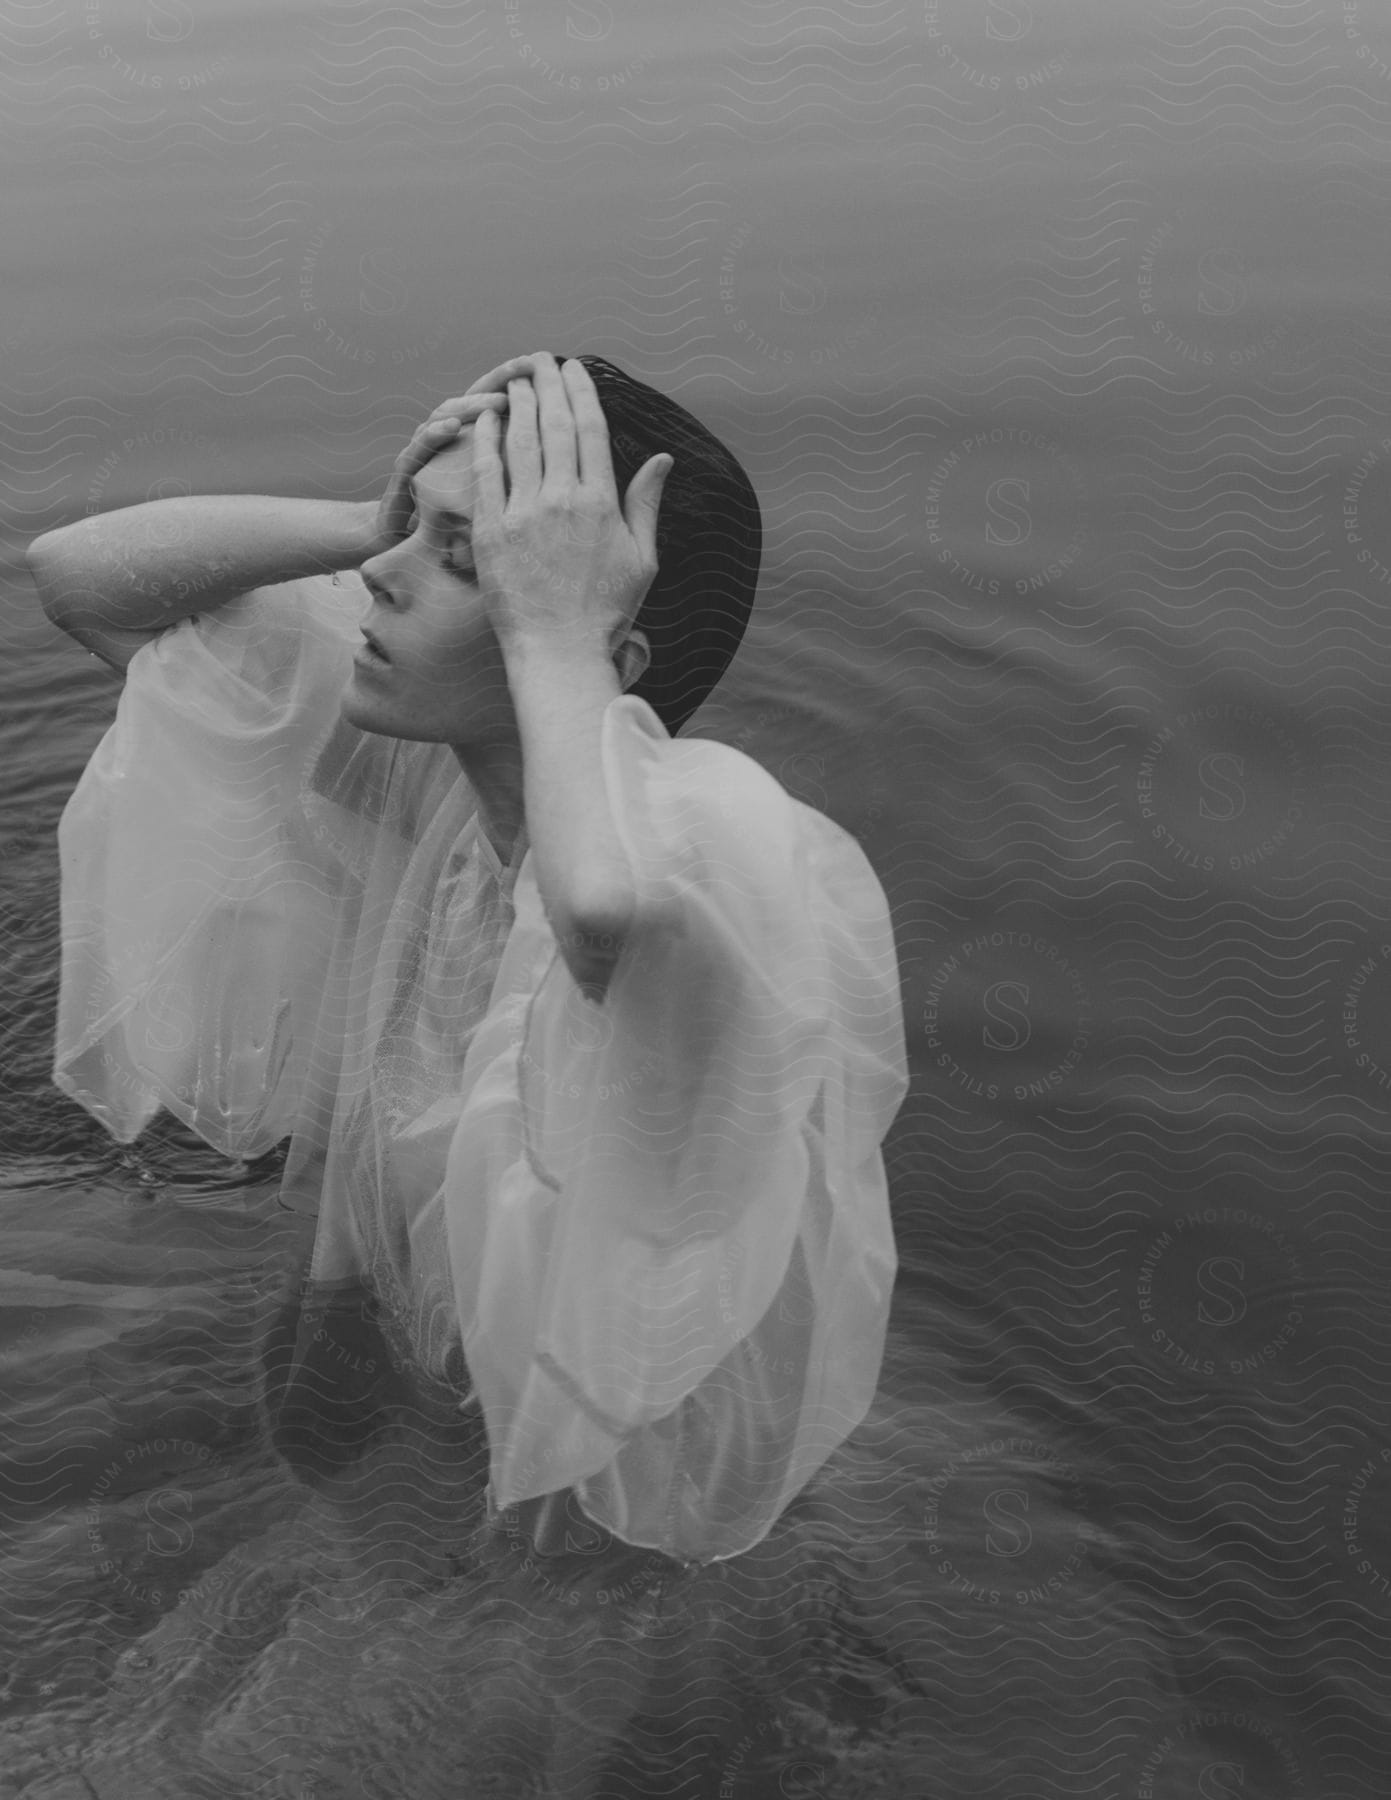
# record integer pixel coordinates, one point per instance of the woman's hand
(392, 518)
(557, 558)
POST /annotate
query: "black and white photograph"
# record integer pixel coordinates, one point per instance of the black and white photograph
(695, 900)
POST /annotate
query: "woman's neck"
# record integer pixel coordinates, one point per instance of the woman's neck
(494, 772)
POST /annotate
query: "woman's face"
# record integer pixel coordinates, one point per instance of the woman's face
(443, 679)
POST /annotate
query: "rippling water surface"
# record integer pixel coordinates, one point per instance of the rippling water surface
(1053, 337)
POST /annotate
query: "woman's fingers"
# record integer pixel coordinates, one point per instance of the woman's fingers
(489, 489)
(559, 458)
(523, 442)
(642, 503)
(592, 428)
(466, 407)
(496, 380)
(426, 439)
(442, 427)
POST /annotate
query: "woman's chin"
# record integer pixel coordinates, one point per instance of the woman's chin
(476, 722)
(364, 710)
(376, 714)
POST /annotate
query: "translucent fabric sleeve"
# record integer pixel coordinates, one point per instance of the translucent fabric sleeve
(197, 912)
(667, 1213)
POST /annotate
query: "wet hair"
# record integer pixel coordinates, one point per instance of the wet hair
(709, 542)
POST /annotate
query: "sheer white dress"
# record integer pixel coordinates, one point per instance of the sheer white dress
(650, 1237)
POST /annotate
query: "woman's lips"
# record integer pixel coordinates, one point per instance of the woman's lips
(370, 656)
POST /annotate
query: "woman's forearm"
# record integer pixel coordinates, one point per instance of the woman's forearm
(144, 567)
(582, 871)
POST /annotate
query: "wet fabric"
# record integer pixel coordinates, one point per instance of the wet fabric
(650, 1238)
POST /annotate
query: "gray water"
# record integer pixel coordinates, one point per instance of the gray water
(1053, 337)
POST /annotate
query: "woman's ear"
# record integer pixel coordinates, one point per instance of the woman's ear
(631, 658)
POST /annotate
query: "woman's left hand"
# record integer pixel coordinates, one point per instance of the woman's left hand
(391, 516)
(556, 556)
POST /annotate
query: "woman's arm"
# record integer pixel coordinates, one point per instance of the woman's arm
(113, 580)
(564, 566)
(119, 578)
(561, 694)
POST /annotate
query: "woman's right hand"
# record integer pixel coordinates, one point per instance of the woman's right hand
(396, 508)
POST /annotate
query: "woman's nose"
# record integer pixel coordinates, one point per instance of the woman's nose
(377, 573)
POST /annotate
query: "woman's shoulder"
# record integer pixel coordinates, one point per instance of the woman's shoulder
(727, 793)
(701, 818)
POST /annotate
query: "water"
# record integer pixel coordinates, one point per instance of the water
(1051, 336)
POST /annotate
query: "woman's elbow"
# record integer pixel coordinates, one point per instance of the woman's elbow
(592, 937)
(42, 565)
(55, 577)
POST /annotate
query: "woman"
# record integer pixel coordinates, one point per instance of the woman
(584, 1036)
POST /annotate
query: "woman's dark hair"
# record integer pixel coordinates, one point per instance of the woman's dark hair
(709, 542)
